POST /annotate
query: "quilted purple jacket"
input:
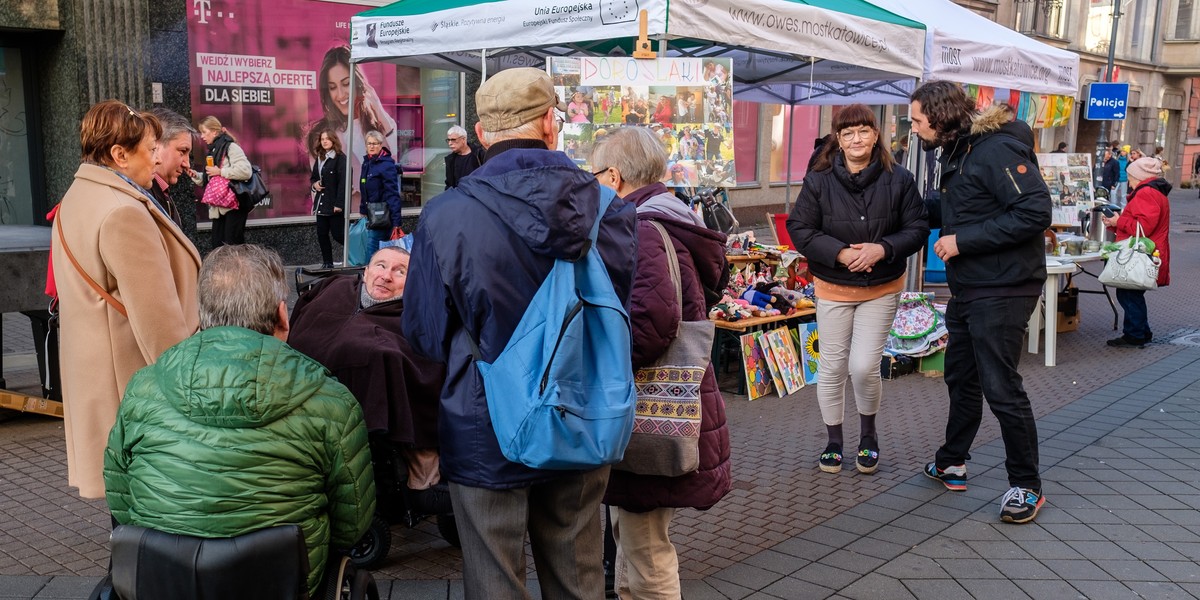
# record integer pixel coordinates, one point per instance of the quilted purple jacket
(653, 315)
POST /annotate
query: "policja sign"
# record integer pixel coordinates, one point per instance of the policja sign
(1106, 101)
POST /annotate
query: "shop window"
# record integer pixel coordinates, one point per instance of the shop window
(1043, 17)
(804, 123)
(745, 141)
(1187, 20)
(16, 197)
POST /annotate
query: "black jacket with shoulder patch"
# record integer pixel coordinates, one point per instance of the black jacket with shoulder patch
(993, 199)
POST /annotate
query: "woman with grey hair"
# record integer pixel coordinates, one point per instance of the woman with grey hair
(380, 182)
(464, 157)
(632, 161)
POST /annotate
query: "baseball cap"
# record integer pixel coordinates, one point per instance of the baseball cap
(514, 97)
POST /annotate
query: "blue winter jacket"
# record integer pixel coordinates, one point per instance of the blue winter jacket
(380, 182)
(480, 253)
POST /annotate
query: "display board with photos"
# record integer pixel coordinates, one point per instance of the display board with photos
(1069, 178)
(686, 102)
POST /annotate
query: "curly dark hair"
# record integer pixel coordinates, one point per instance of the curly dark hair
(948, 109)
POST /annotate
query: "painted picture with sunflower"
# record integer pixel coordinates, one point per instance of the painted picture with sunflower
(809, 342)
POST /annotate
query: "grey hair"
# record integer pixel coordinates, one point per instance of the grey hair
(531, 130)
(634, 151)
(241, 286)
(173, 124)
(391, 248)
(456, 131)
(375, 135)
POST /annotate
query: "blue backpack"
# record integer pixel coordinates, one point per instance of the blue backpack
(561, 392)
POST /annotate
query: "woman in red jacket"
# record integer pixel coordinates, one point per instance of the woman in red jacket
(1148, 207)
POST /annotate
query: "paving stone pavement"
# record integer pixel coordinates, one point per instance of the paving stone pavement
(1121, 481)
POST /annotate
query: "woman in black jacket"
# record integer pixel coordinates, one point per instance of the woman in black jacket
(858, 218)
(329, 194)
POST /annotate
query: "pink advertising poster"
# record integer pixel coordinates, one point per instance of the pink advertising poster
(276, 74)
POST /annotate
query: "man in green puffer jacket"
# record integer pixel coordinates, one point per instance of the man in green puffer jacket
(232, 431)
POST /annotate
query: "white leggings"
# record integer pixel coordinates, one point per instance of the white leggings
(853, 335)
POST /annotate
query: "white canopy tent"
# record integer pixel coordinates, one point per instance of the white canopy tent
(769, 40)
(960, 46)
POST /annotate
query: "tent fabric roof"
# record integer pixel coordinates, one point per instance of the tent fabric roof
(768, 39)
(965, 47)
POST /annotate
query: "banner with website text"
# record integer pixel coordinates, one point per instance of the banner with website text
(276, 74)
(686, 102)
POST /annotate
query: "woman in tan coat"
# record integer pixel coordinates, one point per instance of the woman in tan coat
(126, 278)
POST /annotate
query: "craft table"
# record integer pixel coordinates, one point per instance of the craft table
(1082, 260)
(1050, 295)
(731, 331)
(741, 259)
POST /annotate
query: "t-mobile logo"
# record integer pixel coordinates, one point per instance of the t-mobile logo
(202, 8)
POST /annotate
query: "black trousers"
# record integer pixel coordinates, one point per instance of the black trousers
(982, 356)
(229, 228)
(330, 224)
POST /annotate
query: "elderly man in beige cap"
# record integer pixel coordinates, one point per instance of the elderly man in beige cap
(481, 251)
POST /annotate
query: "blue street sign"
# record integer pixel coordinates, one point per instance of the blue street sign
(1106, 102)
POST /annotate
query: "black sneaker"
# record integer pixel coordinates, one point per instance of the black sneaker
(1020, 505)
(954, 477)
(831, 458)
(434, 500)
(868, 456)
(1127, 342)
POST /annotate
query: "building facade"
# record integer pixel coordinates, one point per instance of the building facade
(58, 57)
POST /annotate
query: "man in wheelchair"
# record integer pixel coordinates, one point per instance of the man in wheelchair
(232, 431)
(351, 324)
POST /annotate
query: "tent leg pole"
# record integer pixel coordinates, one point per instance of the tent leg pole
(787, 170)
(349, 196)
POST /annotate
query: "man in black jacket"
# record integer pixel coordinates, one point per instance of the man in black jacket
(1110, 169)
(994, 208)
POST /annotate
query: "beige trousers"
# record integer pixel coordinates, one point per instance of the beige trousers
(647, 567)
(853, 335)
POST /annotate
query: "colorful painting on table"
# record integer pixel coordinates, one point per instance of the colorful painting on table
(772, 366)
(754, 363)
(780, 342)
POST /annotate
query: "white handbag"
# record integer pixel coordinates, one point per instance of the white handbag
(1130, 267)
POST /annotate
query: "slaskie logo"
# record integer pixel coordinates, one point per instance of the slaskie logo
(434, 26)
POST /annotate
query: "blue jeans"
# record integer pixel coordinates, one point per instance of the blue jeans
(982, 356)
(376, 237)
(1137, 321)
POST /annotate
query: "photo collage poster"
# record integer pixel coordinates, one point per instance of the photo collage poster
(686, 102)
(1069, 177)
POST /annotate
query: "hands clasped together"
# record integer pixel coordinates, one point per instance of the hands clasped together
(861, 257)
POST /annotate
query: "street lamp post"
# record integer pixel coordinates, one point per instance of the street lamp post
(1102, 141)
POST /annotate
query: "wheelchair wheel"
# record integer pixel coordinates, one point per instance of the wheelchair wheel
(448, 528)
(373, 548)
(343, 581)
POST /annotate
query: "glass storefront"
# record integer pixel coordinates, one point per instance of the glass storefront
(276, 73)
(16, 198)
